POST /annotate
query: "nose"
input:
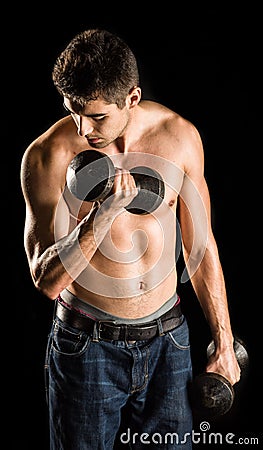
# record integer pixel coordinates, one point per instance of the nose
(85, 126)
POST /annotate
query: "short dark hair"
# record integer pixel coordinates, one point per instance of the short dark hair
(96, 63)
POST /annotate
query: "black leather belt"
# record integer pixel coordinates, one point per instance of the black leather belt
(111, 332)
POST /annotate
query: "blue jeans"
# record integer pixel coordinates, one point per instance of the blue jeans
(103, 395)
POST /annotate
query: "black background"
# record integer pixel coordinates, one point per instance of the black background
(203, 62)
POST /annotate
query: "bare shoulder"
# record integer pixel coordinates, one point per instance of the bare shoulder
(170, 119)
(52, 142)
(45, 161)
(50, 153)
(179, 134)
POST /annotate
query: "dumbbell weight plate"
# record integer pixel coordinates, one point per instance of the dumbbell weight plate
(151, 190)
(90, 175)
(211, 395)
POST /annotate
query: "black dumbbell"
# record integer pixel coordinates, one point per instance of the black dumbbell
(211, 394)
(90, 177)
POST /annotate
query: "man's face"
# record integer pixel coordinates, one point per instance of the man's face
(99, 122)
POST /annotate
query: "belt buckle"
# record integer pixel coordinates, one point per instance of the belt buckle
(99, 330)
(110, 322)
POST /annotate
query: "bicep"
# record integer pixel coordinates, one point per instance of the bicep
(194, 199)
(44, 226)
(47, 215)
(194, 214)
(196, 232)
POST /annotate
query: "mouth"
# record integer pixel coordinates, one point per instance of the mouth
(93, 140)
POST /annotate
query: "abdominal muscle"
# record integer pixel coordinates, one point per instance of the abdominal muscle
(132, 273)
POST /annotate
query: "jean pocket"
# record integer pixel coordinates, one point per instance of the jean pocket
(180, 336)
(67, 340)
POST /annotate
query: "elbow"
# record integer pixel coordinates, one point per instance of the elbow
(46, 287)
(193, 259)
(196, 253)
(47, 290)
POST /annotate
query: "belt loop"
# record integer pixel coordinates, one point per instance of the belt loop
(95, 334)
(160, 327)
(125, 334)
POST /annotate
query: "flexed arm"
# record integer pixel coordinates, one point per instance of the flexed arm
(49, 245)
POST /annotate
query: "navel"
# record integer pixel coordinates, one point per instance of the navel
(142, 285)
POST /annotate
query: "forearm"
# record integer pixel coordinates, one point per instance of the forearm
(209, 285)
(62, 262)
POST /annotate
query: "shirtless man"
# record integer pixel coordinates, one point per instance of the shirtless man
(119, 341)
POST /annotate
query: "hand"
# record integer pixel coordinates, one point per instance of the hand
(226, 364)
(123, 191)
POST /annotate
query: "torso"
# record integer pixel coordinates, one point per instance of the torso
(133, 272)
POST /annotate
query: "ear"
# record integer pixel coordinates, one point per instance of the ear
(134, 97)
